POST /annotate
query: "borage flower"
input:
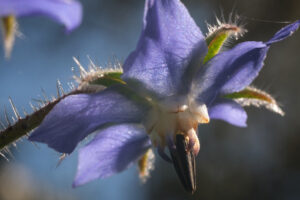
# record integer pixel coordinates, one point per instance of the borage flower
(171, 83)
(66, 12)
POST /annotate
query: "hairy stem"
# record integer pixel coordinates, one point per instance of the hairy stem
(23, 126)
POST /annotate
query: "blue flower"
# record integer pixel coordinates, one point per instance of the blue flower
(66, 12)
(169, 91)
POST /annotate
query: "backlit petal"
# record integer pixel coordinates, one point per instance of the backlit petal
(284, 32)
(170, 39)
(230, 71)
(112, 150)
(233, 70)
(229, 111)
(76, 116)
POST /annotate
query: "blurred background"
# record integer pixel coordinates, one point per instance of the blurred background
(258, 162)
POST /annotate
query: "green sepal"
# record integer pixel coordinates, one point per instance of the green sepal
(247, 93)
(108, 79)
(255, 97)
(218, 36)
(215, 45)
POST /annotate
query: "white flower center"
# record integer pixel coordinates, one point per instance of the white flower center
(176, 116)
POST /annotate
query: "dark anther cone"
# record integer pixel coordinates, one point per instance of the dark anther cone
(184, 163)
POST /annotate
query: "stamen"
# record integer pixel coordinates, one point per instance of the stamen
(184, 163)
(146, 164)
(194, 144)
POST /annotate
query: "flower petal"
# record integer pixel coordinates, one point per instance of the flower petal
(76, 116)
(229, 111)
(112, 150)
(233, 70)
(169, 40)
(230, 71)
(284, 32)
(67, 12)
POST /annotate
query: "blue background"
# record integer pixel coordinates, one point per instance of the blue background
(258, 162)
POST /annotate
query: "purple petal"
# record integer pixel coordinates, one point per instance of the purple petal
(67, 12)
(230, 71)
(113, 150)
(76, 116)
(170, 39)
(284, 32)
(233, 70)
(229, 111)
